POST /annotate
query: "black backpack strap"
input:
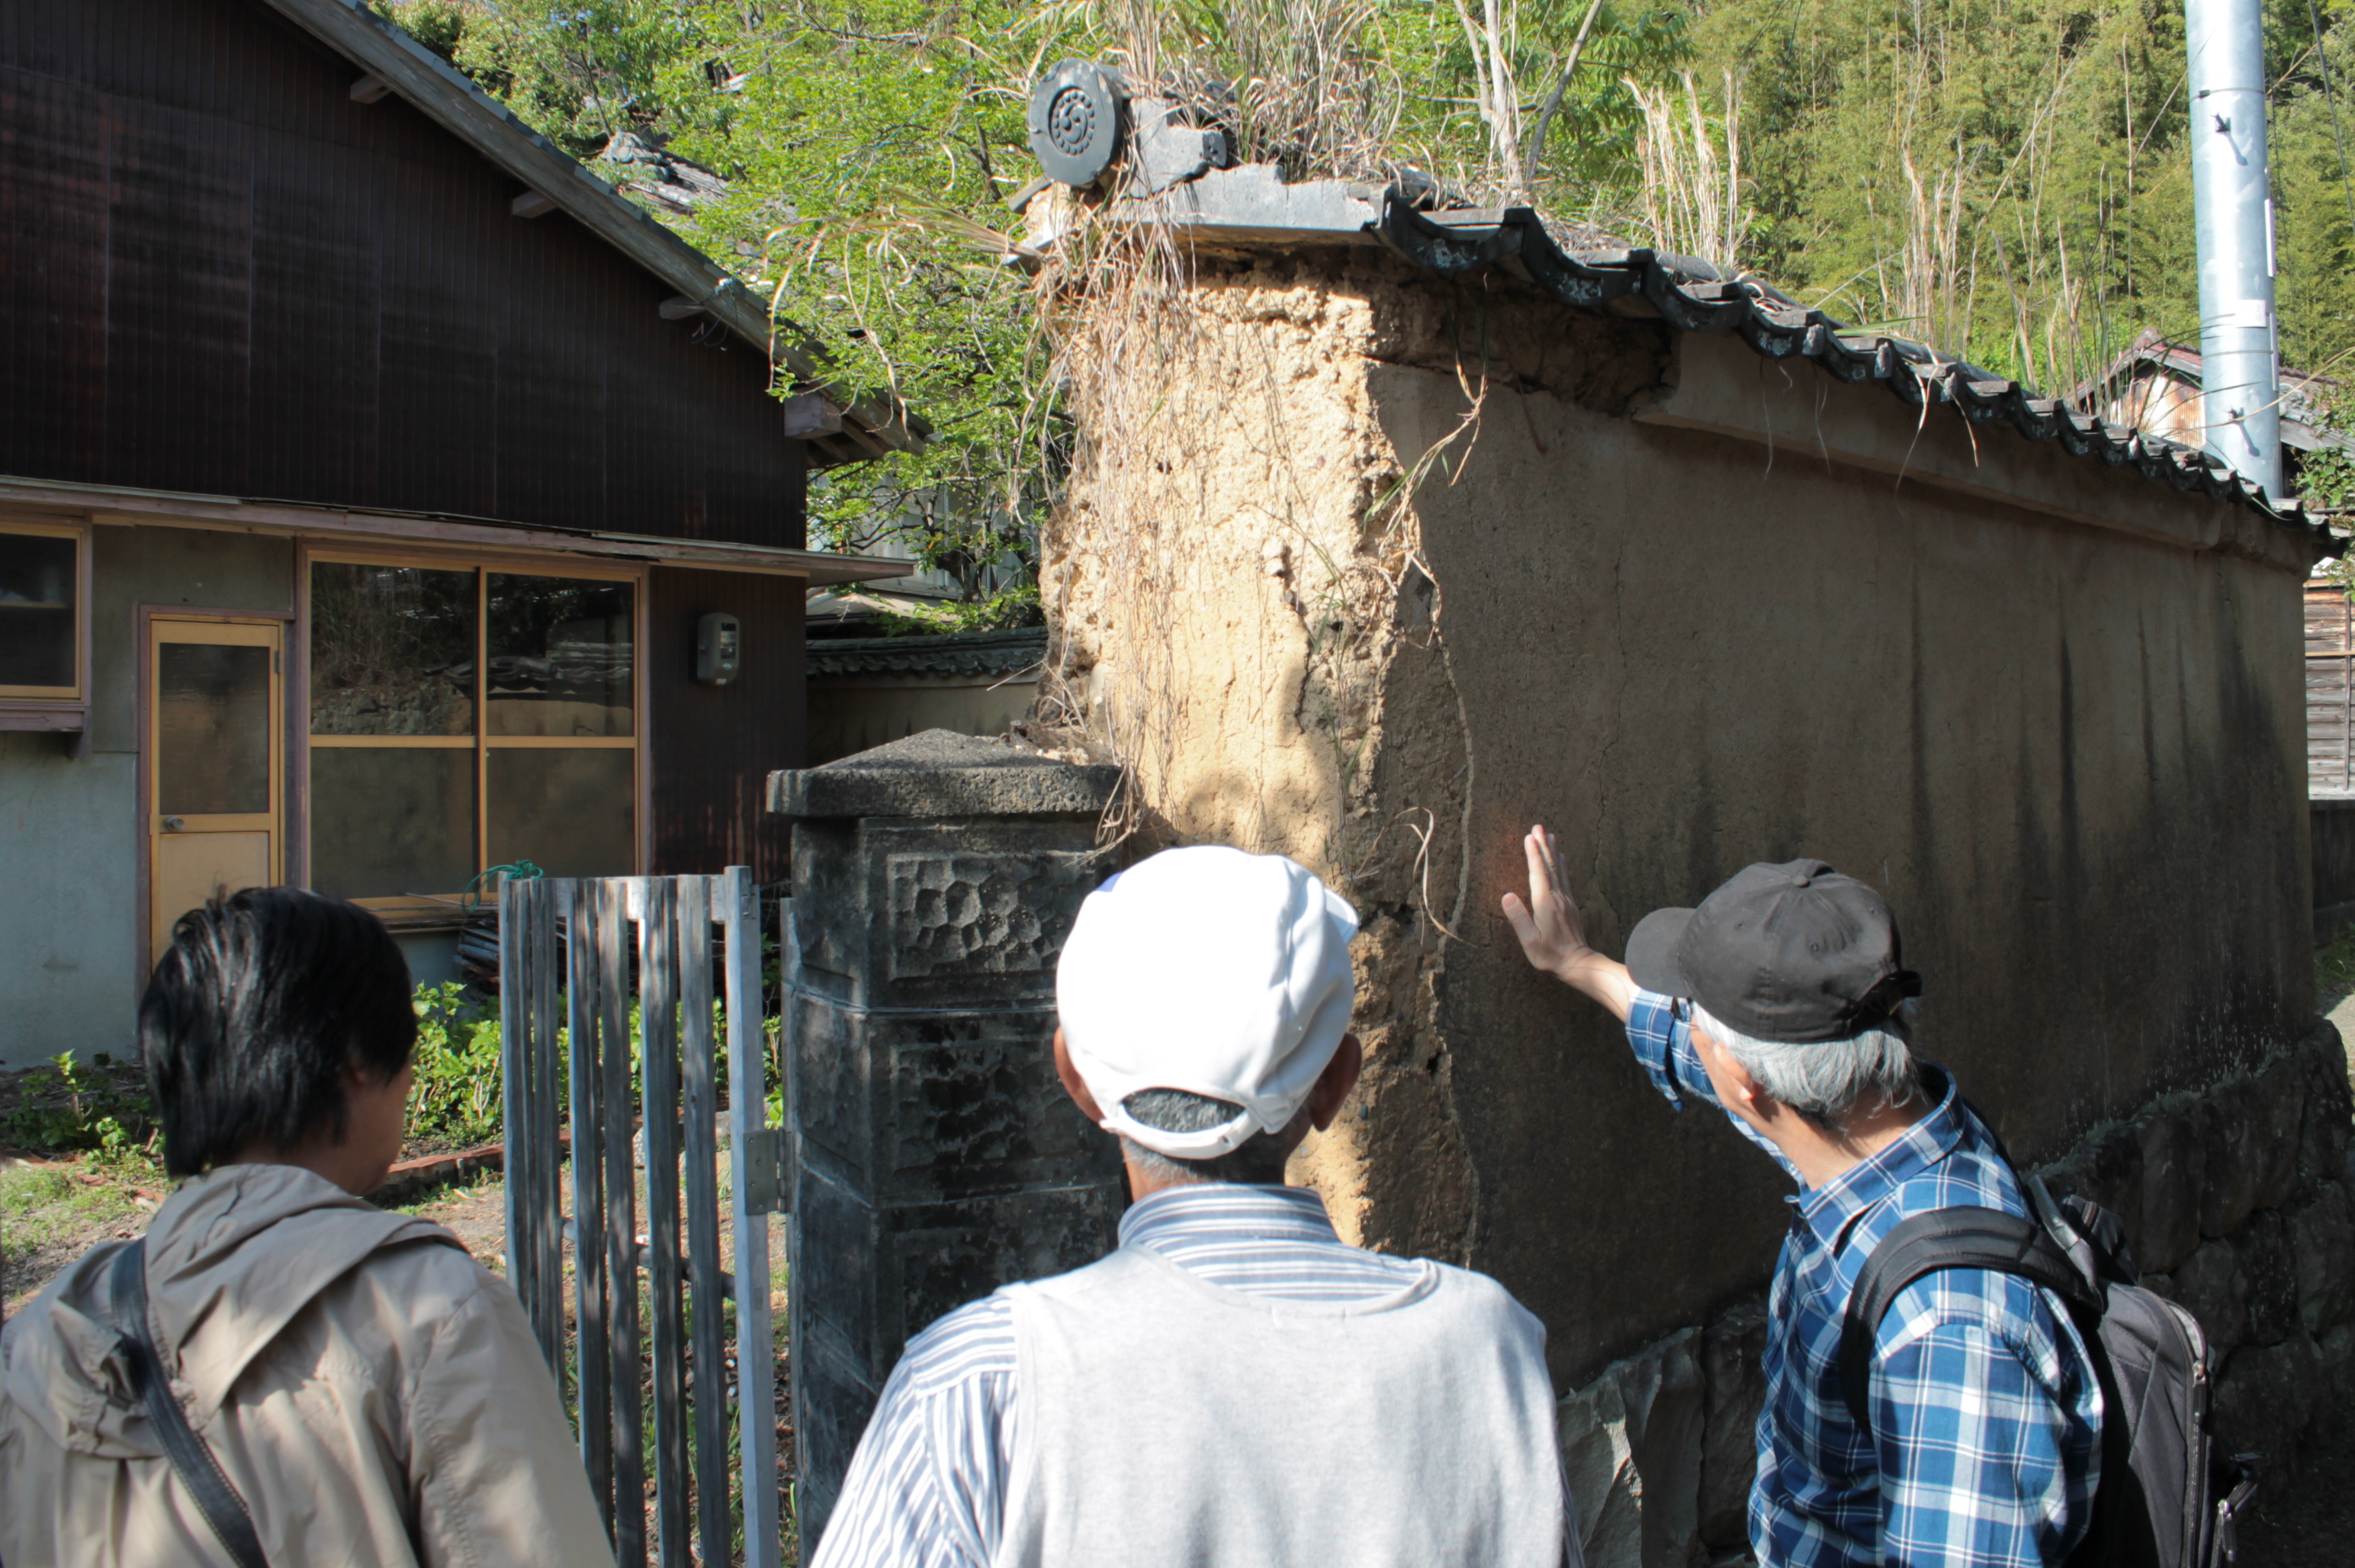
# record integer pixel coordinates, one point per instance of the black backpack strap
(223, 1509)
(1928, 1244)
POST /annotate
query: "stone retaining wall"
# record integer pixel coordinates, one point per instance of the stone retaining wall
(2237, 1201)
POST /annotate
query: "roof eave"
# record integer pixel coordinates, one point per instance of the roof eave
(298, 520)
(445, 96)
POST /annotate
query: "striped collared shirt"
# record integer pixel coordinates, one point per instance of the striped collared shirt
(927, 1487)
(1986, 1413)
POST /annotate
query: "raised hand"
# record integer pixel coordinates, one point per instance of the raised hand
(1552, 934)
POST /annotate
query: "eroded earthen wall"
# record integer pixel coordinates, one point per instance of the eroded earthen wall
(1243, 614)
(1333, 591)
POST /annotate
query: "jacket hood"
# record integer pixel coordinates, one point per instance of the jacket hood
(232, 1258)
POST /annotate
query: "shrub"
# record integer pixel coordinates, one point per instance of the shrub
(62, 1107)
(456, 1098)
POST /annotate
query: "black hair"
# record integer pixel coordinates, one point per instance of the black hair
(1259, 1161)
(264, 998)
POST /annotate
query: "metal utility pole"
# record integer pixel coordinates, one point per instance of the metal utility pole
(2232, 201)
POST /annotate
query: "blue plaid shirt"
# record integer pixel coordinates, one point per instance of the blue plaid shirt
(1987, 1416)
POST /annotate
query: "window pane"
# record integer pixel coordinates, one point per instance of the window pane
(212, 718)
(566, 811)
(392, 650)
(560, 653)
(36, 609)
(389, 821)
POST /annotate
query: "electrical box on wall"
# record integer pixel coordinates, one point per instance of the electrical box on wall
(714, 649)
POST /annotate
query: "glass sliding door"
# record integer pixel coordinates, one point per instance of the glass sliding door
(561, 776)
(464, 716)
(394, 695)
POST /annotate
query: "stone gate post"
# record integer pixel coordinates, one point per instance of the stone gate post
(936, 1156)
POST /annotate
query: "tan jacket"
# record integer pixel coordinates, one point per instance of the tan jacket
(371, 1391)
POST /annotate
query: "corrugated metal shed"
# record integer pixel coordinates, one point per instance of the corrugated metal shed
(2154, 386)
(2330, 689)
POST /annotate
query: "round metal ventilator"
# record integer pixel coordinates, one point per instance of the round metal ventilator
(1075, 122)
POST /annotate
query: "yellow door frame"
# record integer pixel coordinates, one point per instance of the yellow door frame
(158, 624)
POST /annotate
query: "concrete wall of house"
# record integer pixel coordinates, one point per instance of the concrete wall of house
(855, 714)
(69, 827)
(1332, 596)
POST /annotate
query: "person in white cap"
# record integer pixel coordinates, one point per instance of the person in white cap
(1234, 1384)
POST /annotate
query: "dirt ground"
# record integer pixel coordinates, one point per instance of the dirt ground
(52, 1211)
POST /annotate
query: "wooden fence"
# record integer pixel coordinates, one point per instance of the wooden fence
(2330, 690)
(565, 950)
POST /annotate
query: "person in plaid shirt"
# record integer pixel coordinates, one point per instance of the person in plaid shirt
(1781, 1000)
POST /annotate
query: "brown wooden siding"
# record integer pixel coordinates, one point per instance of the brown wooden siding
(714, 747)
(2330, 690)
(218, 273)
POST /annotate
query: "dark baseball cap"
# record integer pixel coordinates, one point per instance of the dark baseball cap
(1794, 953)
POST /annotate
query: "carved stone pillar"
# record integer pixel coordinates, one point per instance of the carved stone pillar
(936, 1156)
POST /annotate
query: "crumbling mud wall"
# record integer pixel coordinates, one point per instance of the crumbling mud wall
(1242, 615)
(1376, 569)
(2236, 1203)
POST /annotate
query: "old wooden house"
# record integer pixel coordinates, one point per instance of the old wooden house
(369, 473)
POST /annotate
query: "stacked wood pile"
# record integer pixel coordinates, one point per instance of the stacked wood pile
(478, 947)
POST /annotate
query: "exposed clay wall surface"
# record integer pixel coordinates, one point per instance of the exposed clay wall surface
(1633, 599)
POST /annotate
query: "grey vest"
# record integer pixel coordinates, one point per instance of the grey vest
(1168, 1421)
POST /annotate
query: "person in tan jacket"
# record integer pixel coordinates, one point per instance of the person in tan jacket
(371, 1393)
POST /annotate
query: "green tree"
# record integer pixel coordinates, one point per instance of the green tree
(2005, 179)
(870, 150)
(2011, 179)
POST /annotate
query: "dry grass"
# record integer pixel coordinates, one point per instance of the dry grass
(1297, 83)
(1691, 172)
(1293, 82)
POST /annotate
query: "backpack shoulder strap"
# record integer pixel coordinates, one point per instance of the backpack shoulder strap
(223, 1509)
(1939, 1239)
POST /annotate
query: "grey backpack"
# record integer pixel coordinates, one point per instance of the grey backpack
(2168, 1498)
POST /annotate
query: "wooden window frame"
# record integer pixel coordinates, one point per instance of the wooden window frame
(482, 564)
(58, 710)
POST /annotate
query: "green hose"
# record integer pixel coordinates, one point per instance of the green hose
(521, 870)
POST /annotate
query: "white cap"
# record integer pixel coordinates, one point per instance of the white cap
(1209, 970)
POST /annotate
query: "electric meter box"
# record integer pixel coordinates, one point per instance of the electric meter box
(716, 648)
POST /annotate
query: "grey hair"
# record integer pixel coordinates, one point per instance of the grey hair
(1829, 1082)
(1259, 1162)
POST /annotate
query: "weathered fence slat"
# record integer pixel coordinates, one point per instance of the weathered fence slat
(696, 1060)
(748, 1138)
(566, 948)
(547, 1236)
(621, 1232)
(514, 1074)
(658, 1066)
(527, 1044)
(583, 987)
